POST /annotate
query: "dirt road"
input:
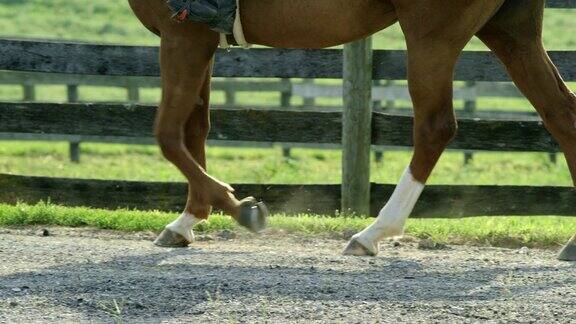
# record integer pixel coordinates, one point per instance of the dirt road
(99, 276)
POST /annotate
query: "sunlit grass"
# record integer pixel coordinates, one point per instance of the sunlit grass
(544, 231)
(267, 165)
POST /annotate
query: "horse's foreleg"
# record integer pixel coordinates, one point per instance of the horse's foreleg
(433, 48)
(515, 36)
(430, 82)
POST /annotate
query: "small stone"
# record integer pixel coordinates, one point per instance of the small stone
(428, 244)
(16, 289)
(407, 239)
(524, 250)
(204, 238)
(226, 235)
(45, 232)
(13, 304)
(396, 244)
(348, 233)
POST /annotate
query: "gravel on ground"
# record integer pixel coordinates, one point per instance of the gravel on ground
(86, 275)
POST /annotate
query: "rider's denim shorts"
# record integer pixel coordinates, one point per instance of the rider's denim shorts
(219, 15)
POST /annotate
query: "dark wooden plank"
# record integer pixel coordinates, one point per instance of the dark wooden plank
(61, 57)
(19, 55)
(264, 125)
(473, 134)
(561, 4)
(472, 66)
(492, 114)
(73, 58)
(465, 201)
(76, 119)
(36, 78)
(259, 125)
(436, 201)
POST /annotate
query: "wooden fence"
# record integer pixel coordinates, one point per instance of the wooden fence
(384, 97)
(275, 125)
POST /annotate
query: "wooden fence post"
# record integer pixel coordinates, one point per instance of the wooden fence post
(286, 96)
(309, 102)
(377, 105)
(357, 127)
(390, 103)
(470, 106)
(285, 102)
(72, 90)
(230, 94)
(29, 92)
(74, 152)
(133, 93)
(73, 147)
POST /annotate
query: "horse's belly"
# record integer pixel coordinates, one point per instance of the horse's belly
(313, 23)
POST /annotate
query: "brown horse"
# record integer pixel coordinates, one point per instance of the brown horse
(435, 31)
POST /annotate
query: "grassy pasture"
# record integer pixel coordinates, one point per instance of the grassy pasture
(267, 165)
(111, 21)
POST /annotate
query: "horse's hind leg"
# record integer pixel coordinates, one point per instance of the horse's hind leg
(196, 129)
(182, 126)
(514, 34)
(434, 45)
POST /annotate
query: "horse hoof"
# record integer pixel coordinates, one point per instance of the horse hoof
(171, 239)
(253, 215)
(568, 253)
(355, 248)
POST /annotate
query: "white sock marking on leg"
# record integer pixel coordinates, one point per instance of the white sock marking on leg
(183, 225)
(392, 217)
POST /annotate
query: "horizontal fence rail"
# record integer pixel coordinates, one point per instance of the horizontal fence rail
(58, 57)
(436, 201)
(265, 125)
(561, 4)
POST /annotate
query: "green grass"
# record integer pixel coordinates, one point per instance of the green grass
(493, 231)
(267, 165)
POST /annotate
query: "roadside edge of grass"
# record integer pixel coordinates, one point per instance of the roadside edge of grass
(536, 231)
